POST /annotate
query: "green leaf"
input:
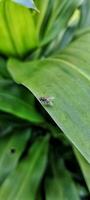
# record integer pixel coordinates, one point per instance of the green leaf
(3, 70)
(17, 107)
(17, 29)
(85, 15)
(85, 167)
(58, 14)
(11, 149)
(66, 78)
(18, 102)
(39, 197)
(24, 181)
(43, 13)
(60, 185)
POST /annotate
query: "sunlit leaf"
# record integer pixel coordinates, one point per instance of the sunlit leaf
(17, 29)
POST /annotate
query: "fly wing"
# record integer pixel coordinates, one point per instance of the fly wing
(50, 98)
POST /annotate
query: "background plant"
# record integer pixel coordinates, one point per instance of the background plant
(45, 150)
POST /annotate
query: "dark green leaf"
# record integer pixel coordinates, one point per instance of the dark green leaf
(24, 181)
(18, 102)
(10, 150)
(85, 166)
(60, 185)
(13, 105)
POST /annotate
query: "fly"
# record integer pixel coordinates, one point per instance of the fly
(46, 101)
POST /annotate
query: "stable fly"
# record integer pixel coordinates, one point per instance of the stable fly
(46, 101)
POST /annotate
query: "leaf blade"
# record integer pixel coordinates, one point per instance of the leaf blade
(28, 174)
(10, 151)
(70, 86)
(57, 185)
(85, 167)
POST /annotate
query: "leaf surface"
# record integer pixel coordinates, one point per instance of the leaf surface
(60, 185)
(15, 100)
(85, 167)
(27, 175)
(17, 29)
(10, 150)
(66, 77)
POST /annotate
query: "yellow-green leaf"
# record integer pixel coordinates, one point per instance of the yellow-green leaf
(17, 29)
